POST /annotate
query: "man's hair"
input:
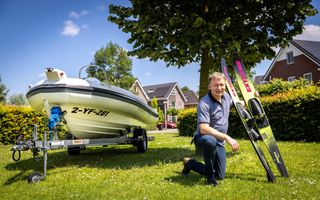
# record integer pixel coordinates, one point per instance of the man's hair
(215, 75)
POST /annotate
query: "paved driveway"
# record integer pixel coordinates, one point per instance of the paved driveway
(175, 130)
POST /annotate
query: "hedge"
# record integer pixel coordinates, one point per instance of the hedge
(19, 120)
(293, 115)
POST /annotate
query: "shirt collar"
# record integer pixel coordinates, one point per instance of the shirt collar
(214, 99)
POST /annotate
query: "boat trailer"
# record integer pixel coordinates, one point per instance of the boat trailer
(74, 146)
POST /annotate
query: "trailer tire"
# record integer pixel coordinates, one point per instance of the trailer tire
(73, 151)
(142, 143)
(35, 177)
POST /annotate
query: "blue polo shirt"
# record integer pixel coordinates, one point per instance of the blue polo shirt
(214, 113)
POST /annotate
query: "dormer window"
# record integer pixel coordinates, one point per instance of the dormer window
(290, 57)
(151, 90)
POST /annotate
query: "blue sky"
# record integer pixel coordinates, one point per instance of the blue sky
(65, 34)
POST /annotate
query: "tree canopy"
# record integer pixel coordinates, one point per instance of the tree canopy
(18, 99)
(117, 66)
(3, 91)
(182, 32)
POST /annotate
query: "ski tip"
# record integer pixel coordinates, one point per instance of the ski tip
(235, 55)
(223, 62)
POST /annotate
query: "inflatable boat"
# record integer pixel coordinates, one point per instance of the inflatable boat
(91, 109)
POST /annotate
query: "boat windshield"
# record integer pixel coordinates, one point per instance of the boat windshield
(93, 81)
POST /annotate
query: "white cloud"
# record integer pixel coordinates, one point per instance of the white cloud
(310, 32)
(276, 49)
(148, 74)
(70, 29)
(74, 14)
(84, 12)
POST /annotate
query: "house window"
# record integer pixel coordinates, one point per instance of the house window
(308, 76)
(173, 104)
(151, 90)
(290, 57)
(291, 78)
(173, 92)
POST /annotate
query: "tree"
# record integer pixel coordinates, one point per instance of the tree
(116, 64)
(18, 99)
(3, 92)
(154, 103)
(185, 89)
(173, 111)
(182, 32)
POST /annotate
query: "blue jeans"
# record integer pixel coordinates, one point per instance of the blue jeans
(214, 155)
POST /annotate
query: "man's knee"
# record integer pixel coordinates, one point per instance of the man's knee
(210, 143)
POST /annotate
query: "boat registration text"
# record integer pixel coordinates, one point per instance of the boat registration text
(88, 111)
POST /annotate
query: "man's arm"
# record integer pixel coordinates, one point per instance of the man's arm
(205, 129)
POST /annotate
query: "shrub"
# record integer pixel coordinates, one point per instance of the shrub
(294, 115)
(279, 86)
(19, 120)
(187, 124)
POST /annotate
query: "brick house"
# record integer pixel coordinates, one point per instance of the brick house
(192, 99)
(169, 95)
(300, 58)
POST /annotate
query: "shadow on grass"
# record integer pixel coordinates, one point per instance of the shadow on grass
(98, 157)
(194, 178)
(191, 180)
(248, 177)
(109, 158)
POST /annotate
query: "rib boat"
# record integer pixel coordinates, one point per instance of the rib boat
(92, 109)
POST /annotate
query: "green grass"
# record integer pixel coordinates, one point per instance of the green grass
(121, 173)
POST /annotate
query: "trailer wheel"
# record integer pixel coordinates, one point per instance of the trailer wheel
(142, 140)
(73, 151)
(35, 177)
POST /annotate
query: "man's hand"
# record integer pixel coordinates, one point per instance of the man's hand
(233, 143)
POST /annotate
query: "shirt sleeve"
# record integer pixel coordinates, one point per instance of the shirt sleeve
(203, 113)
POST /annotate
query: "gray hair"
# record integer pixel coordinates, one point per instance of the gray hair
(215, 75)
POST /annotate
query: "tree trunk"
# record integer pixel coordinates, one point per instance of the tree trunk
(204, 72)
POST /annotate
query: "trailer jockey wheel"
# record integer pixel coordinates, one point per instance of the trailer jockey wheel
(142, 141)
(35, 177)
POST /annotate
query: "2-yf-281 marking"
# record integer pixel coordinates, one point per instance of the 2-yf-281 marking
(88, 111)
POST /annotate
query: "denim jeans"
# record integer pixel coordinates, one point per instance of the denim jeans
(214, 156)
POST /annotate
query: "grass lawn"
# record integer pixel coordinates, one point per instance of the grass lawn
(121, 173)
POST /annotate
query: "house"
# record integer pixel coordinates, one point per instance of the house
(169, 95)
(300, 58)
(192, 99)
(258, 79)
(138, 90)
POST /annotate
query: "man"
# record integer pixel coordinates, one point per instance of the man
(213, 113)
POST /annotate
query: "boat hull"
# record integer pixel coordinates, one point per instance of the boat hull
(91, 112)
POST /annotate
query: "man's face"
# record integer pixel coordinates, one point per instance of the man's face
(217, 87)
